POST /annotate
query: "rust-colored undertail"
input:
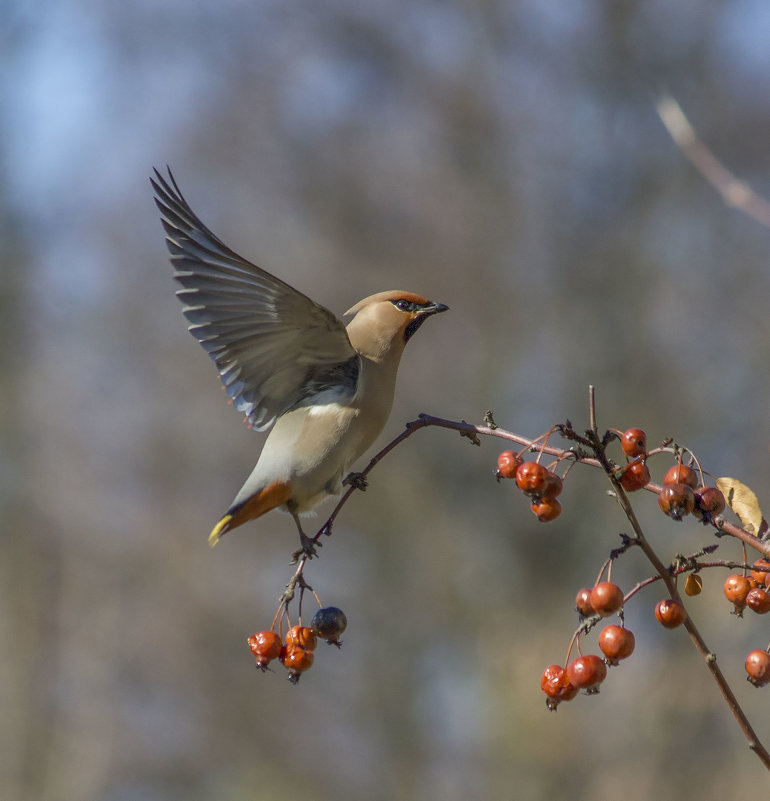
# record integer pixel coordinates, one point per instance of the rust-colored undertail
(271, 497)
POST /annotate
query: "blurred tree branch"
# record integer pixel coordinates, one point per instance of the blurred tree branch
(734, 192)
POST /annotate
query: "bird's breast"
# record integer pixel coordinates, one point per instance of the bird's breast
(313, 447)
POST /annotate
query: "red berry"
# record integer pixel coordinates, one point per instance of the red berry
(296, 660)
(556, 685)
(301, 636)
(736, 589)
(606, 598)
(758, 600)
(553, 486)
(266, 646)
(583, 602)
(546, 509)
(676, 500)
(681, 474)
(587, 673)
(709, 503)
(635, 476)
(634, 442)
(507, 464)
(761, 576)
(531, 477)
(616, 643)
(670, 613)
(758, 667)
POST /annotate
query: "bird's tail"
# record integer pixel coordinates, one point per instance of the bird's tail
(262, 501)
(219, 529)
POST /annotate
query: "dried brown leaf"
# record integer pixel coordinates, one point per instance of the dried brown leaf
(742, 500)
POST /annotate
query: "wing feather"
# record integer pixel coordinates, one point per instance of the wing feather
(274, 347)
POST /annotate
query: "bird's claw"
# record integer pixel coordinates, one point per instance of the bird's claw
(356, 480)
(307, 549)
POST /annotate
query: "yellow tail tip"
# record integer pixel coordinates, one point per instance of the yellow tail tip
(219, 529)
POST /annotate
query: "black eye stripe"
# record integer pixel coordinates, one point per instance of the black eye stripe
(406, 305)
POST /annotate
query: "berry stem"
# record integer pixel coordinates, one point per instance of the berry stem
(641, 585)
(584, 627)
(576, 454)
(288, 594)
(606, 566)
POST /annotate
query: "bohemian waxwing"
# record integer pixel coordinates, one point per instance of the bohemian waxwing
(287, 362)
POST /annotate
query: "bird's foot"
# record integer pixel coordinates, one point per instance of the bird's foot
(307, 548)
(356, 480)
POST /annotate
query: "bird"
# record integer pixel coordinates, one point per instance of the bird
(324, 390)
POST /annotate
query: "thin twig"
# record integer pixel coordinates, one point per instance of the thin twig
(426, 420)
(734, 192)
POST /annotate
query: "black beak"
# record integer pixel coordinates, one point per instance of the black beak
(424, 313)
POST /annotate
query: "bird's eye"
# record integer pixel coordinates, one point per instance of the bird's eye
(404, 305)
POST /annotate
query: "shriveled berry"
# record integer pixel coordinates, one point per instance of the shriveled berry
(556, 685)
(507, 464)
(634, 442)
(266, 646)
(296, 660)
(301, 636)
(709, 503)
(693, 585)
(546, 509)
(635, 476)
(736, 589)
(681, 474)
(583, 602)
(553, 486)
(762, 577)
(606, 598)
(530, 477)
(758, 600)
(758, 667)
(676, 500)
(587, 673)
(670, 613)
(616, 643)
(329, 623)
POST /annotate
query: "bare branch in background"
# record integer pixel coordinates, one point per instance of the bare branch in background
(734, 192)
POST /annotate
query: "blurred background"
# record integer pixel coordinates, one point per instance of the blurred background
(504, 158)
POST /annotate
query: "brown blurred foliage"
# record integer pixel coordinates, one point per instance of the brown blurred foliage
(504, 158)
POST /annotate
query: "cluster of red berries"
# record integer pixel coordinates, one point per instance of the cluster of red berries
(588, 672)
(540, 484)
(636, 474)
(681, 494)
(752, 592)
(296, 652)
(617, 642)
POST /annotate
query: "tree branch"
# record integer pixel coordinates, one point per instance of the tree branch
(591, 442)
(733, 191)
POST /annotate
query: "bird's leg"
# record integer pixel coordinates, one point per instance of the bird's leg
(356, 480)
(307, 544)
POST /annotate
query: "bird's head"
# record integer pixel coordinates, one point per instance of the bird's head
(388, 319)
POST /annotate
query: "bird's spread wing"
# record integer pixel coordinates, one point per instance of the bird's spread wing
(273, 346)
